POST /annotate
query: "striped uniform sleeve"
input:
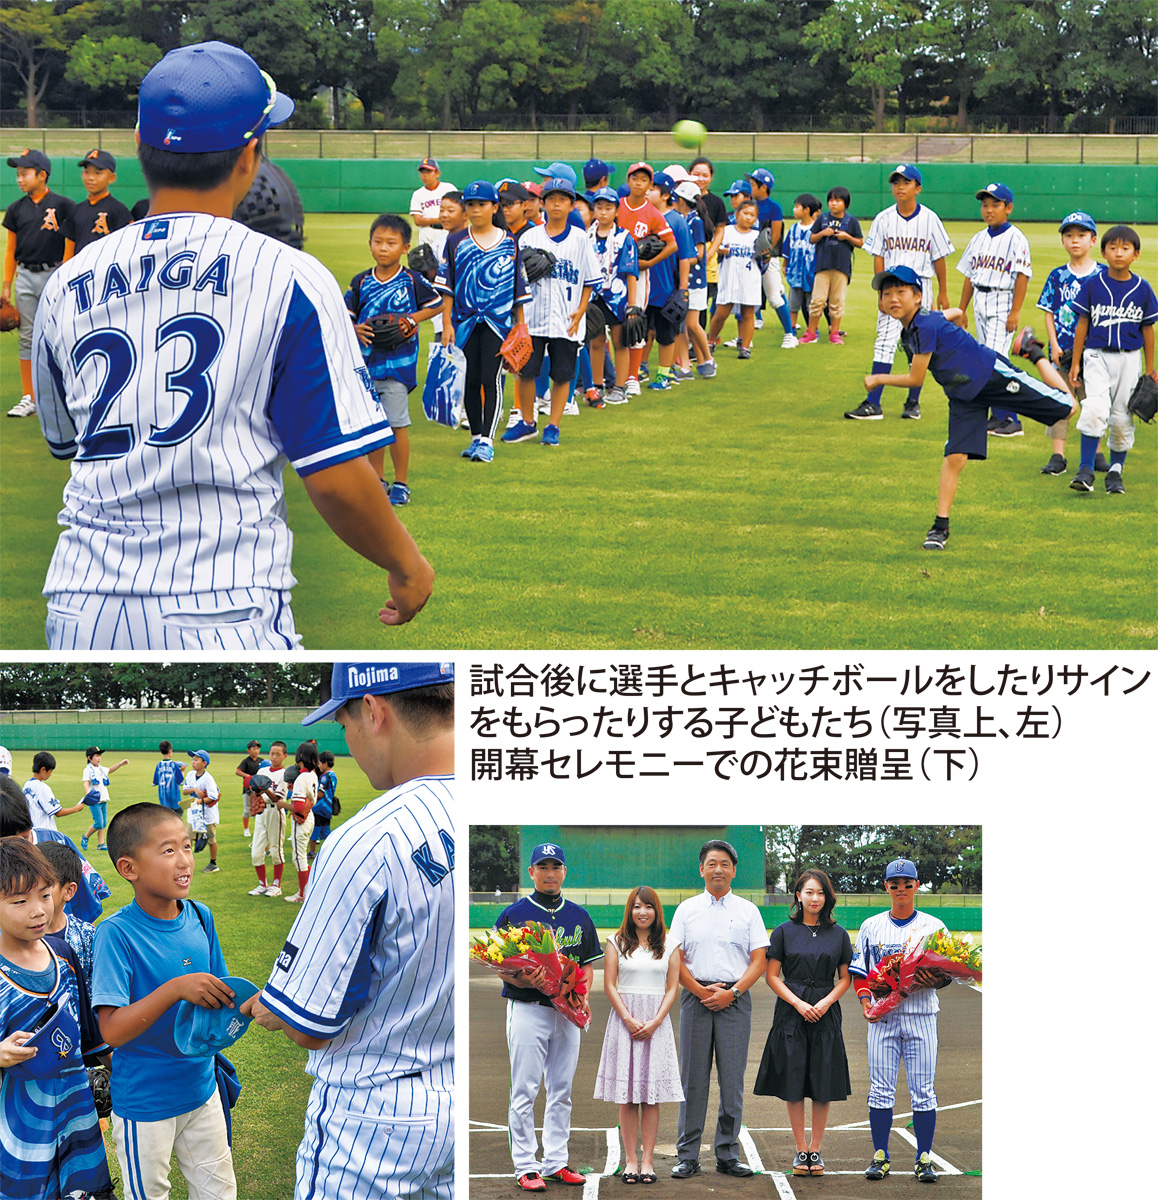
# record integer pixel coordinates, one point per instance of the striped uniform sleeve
(940, 244)
(56, 422)
(591, 949)
(444, 281)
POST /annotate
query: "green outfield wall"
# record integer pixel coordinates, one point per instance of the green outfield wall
(1044, 192)
(225, 738)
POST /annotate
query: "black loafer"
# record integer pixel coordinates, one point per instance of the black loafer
(733, 1166)
(686, 1168)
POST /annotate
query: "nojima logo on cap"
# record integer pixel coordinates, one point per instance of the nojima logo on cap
(359, 677)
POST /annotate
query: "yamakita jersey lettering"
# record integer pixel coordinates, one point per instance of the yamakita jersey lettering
(1117, 309)
(485, 284)
(404, 292)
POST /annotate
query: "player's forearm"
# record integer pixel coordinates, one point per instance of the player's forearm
(427, 314)
(67, 812)
(1148, 348)
(754, 971)
(966, 295)
(1080, 331)
(688, 981)
(120, 1025)
(1020, 287)
(942, 278)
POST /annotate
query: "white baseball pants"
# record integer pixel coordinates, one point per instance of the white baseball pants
(1109, 379)
(990, 312)
(908, 1036)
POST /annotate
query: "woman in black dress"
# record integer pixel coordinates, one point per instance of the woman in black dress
(804, 1055)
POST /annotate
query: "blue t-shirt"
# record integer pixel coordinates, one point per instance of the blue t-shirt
(404, 292)
(832, 253)
(961, 365)
(574, 930)
(770, 212)
(665, 275)
(486, 285)
(1061, 286)
(167, 779)
(135, 954)
(1117, 309)
(324, 804)
(698, 273)
(800, 257)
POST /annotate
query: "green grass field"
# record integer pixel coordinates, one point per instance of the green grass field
(268, 1120)
(739, 512)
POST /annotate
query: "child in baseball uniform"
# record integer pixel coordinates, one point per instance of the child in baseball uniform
(997, 273)
(618, 260)
(389, 287)
(101, 213)
(324, 805)
(909, 1032)
(799, 256)
(426, 205)
(202, 788)
(168, 776)
(772, 282)
(148, 956)
(835, 235)
(912, 236)
(739, 275)
(1116, 312)
(668, 277)
(95, 778)
(300, 811)
(42, 803)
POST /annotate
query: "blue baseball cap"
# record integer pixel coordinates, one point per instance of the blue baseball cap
(200, 1032)
(905, 275)
(606, 193)
(56, 1039)
(206, 97)
(548, 850)
(663, 181)
(558, 170)
(594, 169)
(900, 868)
(740, 187)
(557, 185)
(350, 681)
(905, 171)
(200, 754)
(998, 191)
(480, 189)
(428, 164)
(760, 175)
(1082, 220)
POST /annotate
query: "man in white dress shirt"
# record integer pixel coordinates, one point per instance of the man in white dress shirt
(723, 940)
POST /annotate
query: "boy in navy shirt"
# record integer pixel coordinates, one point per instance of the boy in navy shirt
(148, 956)
(974, 378)
(1116, 313)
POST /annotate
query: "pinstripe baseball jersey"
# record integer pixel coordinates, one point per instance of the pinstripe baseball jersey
(369, 960)
(1117, 309)
(617, 258)
(42, 804)
(180, 362)
(1061, 286)
(915, 241)
(881, 936)
(556, 296)
(995, 257)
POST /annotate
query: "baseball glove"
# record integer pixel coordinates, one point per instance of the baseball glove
(676, 308)
(423, 260)
(99, 1085)
(301, 811)
(391, 331)
(634, 327)
(9, 317)
(596, 320)
(1143, 402)
(272, 206)
(516, 348)
(537, 264)
(257, 804)
(764, 247)
(649, 247)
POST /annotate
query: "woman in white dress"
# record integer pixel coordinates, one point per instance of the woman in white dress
(639, 1068)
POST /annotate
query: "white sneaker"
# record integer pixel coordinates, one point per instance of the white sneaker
(246, 833)
(260, 890)
(273, 890)
(631, 388)
(759, 323)
(734, 344)
(515, 417)
(542, 404)
(571, 408)
(26, 408)
(294, 899)
(790, 342)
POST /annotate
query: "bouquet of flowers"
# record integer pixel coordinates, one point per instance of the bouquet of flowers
(894, 977)
(527, 947)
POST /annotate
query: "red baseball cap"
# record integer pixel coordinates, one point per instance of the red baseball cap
(640, 166)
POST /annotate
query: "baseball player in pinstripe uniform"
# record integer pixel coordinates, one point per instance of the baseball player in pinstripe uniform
(366, 978)
(174, 361)
(909, 1031)
(906, 235)
(997, 274)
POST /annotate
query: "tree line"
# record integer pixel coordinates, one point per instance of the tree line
(590, 64)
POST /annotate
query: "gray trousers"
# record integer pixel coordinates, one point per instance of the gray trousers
(702, 1034)
(26, 289)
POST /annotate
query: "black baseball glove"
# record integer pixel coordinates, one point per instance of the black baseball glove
(764, 247)
(391, 330)
(649, 247)
(676, 308)
(1143, 402)
(272, 206)
(99, 1085)
(423, 260)
(537, 264)
(596, 320)
(634, 327)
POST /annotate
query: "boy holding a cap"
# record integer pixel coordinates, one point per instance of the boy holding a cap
(148, 957)
(974, 378)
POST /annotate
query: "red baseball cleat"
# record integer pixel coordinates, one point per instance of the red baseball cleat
(532, 1182)
(566, 1175)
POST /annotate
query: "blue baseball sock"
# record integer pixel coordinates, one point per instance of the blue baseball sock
(914, 395)
(874, 398)
(880, 1122)
(1117, 459)
(584, 365)
(924, 1123)
(543, 382)
(1089, 449)
(784, 315)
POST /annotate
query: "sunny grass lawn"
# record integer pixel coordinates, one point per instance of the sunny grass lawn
(739, 512)
(268, 1120)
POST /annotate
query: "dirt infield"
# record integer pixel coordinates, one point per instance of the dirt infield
(595, 1146)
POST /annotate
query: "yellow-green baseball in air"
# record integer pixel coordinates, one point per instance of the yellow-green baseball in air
(689, 134)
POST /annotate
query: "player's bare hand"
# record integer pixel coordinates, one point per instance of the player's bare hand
(12, 1049)
(957, 315)
(808, 1011)
(870, 382)
(364, 332)
(930, 978)
(722, 251)
(1075, 374)
(6, 293)
(718, 998)
(447, 333)
(1012, 321)
(943, 300)
(205, 989)
(573, 324)
(408, 593)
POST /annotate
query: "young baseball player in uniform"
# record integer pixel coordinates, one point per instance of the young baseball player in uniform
(245, 770)
(101, 213)
(42, 804)
(739, 287)
(156, 951)
(269, 824)
(905, 235)
(366, 977)
(618, 260)
(95, 778)
(168, 776)
(772, 282)
(426, 205)
(202, 789)
(909, 1032)
(543, 1045)
(974, 378)
(1116, 312)
(324, 805)
(175, 359)
(997, 274)
(299, 807)
(33, 250)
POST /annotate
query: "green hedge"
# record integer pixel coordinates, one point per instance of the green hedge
(224, 738)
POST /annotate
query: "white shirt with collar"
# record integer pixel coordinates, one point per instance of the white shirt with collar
(718, 936)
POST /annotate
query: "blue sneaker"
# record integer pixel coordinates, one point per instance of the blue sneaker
(682, 376)
(707, 370)
(661, 384)
(399, 494)
(643, 371)
(523, 431)
(483, 452)
(84, 843)
(469, 451)
(551, 435)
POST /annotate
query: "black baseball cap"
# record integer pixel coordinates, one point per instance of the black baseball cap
(101, 159)
(36, 159)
